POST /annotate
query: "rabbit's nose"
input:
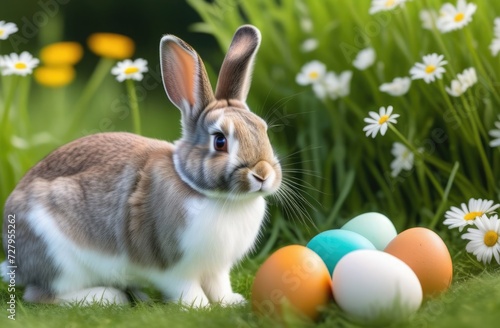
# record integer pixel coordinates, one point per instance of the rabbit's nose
(262, 171)
(262, 177)
(258, 178)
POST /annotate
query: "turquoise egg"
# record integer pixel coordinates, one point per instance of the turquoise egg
(374, 226)
(332, 245)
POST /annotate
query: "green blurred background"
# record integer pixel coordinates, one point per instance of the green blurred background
(42, 22)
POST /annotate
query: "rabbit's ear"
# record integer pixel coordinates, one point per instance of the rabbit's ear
(184, 77)
(236, 71)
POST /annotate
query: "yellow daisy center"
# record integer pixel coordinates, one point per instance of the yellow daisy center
(430, 68)
(472, 215)
(490, 238)
(313, 75)
(383, 119)
(389, 3)
(20, 65)
(1, 32)
(459, 17)
(131, 70)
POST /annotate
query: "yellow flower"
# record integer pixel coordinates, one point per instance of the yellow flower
(54, 76)
(61, 53)
(111, 45)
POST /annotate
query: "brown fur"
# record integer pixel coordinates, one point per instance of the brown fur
(87, 184)
(235, 72)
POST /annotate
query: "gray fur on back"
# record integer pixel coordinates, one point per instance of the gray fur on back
(110, 193)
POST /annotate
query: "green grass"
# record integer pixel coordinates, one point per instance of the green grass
(474, 298)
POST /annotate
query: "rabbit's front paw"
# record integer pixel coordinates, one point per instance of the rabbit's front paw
(233, 299)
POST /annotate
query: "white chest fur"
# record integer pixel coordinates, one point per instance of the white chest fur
(219, 233)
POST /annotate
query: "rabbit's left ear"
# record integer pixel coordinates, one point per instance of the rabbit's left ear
(236, 70)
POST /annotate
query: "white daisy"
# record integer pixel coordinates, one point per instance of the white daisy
(309, 45)
(130, 70)
(379, 121)
(468, 77)
(495, 47)
(311, 73)
(403, 159)
(496, 29)
(484, 241)
(453, 18)
(22, 64)
(459, 218)
(384, 5)
(428, 17)
(338, 85)
(333, 86)
(306, 25)
(464, 81)
(6, 29)
(364, 59)
(456, 89)
(495, 133)
(430, 69)
(398, 87)
(320, 88)
(495, 43)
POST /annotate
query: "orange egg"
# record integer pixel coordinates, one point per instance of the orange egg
(293, 276)
(426, 253)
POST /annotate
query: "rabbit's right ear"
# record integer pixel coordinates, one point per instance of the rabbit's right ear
(184, 77)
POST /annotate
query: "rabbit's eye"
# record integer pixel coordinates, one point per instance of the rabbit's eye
(220, 142)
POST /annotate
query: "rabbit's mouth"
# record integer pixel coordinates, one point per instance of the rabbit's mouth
(262, 178)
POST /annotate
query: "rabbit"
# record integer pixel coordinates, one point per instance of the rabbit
(116, 211)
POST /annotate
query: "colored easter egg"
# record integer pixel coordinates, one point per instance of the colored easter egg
(426, 253)
(372, 285)
(332, 245)
(375, 227)
(294, 277)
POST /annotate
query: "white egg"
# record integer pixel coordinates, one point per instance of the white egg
(374, 226)
(375, 286)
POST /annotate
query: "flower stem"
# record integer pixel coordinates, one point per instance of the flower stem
(447, 189)
(474, 110)
(9, 97)
(453, 109)
(59, 109)
(373, 85)
(24, 91)
(100, 72)
(134, 104)
(439, 38)
(355, 107)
